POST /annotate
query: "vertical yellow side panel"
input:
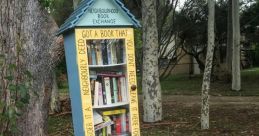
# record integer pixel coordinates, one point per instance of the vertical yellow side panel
(132, 81)
(83, 69)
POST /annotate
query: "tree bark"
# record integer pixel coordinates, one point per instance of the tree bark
(151, 88)
(26, 27)
(75, 3)
(208, 66)
(54, 101)
(229, 43)
(236, 79)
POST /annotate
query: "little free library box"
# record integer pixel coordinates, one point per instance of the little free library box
(100, 57)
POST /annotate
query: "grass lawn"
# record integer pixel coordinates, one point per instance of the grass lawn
(185, 85)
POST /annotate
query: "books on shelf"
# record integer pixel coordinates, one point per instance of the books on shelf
(105, 52)
(97, 118)
(109, 88)
(114, 122)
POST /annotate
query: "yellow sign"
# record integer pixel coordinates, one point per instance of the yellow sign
(83, 69)
(113, 33)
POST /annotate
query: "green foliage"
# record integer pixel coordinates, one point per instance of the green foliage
(45, 3)
(60, 10)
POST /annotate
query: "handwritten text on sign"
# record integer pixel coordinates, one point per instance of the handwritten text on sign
(84, 85)
(103, 15)
(112, 33)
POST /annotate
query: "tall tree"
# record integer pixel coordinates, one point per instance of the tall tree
(75, 3)
(208, 66)
(151, 88)
(236, 79)
(229, 43)
(29, 45)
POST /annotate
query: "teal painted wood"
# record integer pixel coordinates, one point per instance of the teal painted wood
(74, 84)
(110, 15)
(88, 14)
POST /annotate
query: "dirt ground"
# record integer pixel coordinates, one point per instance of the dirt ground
(229, 116)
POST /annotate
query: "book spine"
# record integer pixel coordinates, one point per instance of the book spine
(124, 93)
(92, 86)
(100, 100)
(104, 131)
(99, 53)
(114, 112)
(93, 54)
(112, 90)
(104, 52)
(115, 89)
(108, 90)
(89, 54)
(104, 92)
(113, 52)
(118, 125)
(118, 52)
(123, 123)
(96, 93)
(109, 53)
(122, 51)
(119, 90)
(104, 124)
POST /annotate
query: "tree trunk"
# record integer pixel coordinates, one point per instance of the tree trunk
(151, 88)
(27, 28)
(54, 101)
(229, 43)
(208, 66)
(236, 79)
(75, 3)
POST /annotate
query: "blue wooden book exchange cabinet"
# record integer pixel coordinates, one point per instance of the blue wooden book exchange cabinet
(100, 57)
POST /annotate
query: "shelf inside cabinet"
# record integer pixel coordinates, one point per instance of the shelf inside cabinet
(104, 66)
(111, 105)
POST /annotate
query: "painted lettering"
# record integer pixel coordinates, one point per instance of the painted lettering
(87, 33)
(131, 60)
(81, 46)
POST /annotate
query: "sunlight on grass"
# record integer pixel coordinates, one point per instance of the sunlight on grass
(185, 85)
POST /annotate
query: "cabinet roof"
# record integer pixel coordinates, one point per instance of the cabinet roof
(81, 10)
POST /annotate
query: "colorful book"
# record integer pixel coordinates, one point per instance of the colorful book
(100, 97)
(113, 52)
(119, 90)
(120, 51)
(104, 52)
(99, 53)
(118, 124)
(124, 93)
(115, 89)
(104, 92)
(112, 91)
(123, 122)
(109, 55)
(104, 131)
(92, 87)
(96, 93)
(89, 55)
(114, 112)
(93, 53)
(107, 90)
(97, 118)
(107, 122)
